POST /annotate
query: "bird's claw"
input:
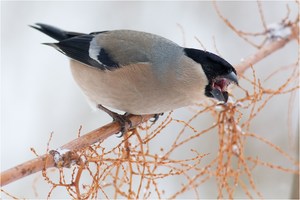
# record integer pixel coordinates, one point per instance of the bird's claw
(156, 117)
(124, 122)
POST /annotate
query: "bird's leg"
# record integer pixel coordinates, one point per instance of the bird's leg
(155, 117)
(122, 119)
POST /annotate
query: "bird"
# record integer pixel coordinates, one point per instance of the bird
(140, 73)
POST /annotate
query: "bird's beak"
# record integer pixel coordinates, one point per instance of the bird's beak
(219, 95)
(220, 92)
(232, 77)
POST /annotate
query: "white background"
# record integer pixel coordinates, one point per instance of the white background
(38, 94)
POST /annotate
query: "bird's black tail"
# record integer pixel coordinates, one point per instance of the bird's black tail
(54, 32)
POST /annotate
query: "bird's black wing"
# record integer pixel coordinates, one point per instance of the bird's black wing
(78, 48)
(55, 32)
(105, 50)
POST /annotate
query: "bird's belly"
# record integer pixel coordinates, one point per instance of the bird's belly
(131, 89)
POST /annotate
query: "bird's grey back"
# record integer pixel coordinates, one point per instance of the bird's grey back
(109, 50)
(131, 47)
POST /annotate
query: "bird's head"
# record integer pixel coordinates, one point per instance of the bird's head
(218, 71)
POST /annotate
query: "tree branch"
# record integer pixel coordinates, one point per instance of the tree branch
(47, 160)
(267, 50)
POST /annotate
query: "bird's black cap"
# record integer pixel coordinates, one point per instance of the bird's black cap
(218, 71)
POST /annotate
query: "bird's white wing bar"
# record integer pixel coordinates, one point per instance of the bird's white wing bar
(94, 50)
(78, 48)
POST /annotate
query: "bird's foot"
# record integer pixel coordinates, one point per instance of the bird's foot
(123, 120)
(155, 117)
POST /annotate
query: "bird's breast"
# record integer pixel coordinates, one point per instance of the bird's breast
(137, 88)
